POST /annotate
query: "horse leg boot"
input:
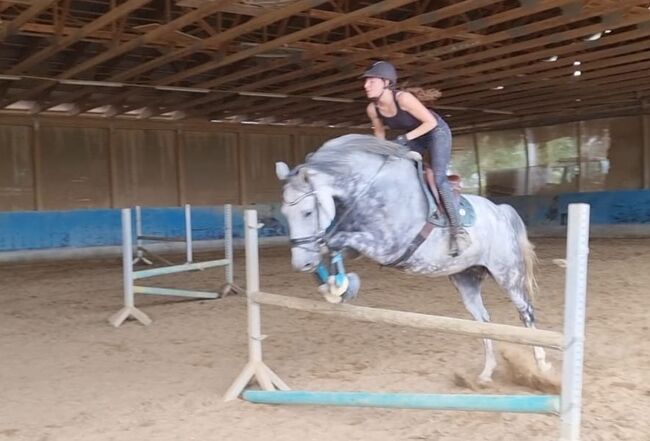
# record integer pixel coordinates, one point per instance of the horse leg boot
(459, 240)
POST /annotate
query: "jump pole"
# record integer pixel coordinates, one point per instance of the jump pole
(568, 405)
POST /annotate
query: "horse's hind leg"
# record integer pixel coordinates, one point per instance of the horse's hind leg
(516, 292)
(468, 284)
(527, 316)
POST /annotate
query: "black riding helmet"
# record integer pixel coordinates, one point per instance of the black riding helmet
(383, 70)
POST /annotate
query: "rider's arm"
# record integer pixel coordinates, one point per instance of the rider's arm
(408, 102)
(377, 125)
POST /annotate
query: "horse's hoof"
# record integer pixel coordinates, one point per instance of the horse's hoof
(484, 380)
(333, 299)
(353, 288)
(336, 290)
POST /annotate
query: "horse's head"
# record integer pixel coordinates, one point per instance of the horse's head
(309, 207)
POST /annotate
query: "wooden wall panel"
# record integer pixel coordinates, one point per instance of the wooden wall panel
(261, 152)
(625, 154)
(210, 168)
(16, 169)
(306, 144)
(73, 171)
(145, 168)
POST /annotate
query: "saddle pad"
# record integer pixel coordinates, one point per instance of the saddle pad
(467, 215)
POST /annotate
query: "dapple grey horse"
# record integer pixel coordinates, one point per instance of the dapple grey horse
(359, 193)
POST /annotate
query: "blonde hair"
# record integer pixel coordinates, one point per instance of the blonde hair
(424, 95)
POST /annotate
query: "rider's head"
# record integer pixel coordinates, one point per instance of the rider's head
(379, 77)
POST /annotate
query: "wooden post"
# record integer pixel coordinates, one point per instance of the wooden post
(112, 166)
(179, 146)
(241, 170)
(37, 162)
(645, 124)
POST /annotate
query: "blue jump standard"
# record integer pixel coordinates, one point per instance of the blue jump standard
(547, 404)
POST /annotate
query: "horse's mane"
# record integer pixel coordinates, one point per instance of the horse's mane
(343, 154)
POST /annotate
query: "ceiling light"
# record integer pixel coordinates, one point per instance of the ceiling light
(577, 73)
(264, 94)
(576, 63)
(551, 59)
(91, 83)
(607, 31)
(497, 88)
(498, 112)
(183, 89)
(10, 77)
(594, 37)
(332, 100)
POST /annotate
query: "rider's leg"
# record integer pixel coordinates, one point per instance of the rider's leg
(440, 152)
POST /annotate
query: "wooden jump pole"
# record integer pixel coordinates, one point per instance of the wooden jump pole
(568, 405)
(509, 333)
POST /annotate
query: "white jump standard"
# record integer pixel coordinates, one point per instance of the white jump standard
(142, 254)
(571, 342)
(129, 275)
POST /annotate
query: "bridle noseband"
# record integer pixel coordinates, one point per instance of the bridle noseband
(317, 239)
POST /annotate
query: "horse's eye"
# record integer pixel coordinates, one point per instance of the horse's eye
(308, 213)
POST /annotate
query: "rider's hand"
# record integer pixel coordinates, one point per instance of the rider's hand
(401, 140)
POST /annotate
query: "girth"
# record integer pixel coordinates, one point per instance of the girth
(414, 245)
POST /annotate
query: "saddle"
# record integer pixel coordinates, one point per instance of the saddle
(436, 214)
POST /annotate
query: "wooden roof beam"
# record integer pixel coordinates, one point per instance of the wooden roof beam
(395, 27)
(506, 16)
(304, 85)
(28, 14)
(221, 38)
(57, 46)
(558, 77)
(591, 61)
(351, 60)
(622, 80)
(178, 23)
(373, 9)
(492, 38)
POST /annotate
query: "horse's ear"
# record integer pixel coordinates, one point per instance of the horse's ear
(282, 171)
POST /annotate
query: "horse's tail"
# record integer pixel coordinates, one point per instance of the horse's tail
(527, 250)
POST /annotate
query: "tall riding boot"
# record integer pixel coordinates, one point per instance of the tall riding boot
(459, 239)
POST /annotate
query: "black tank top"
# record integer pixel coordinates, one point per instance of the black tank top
(402, 119)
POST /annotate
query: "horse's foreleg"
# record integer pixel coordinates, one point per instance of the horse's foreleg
(468, 284)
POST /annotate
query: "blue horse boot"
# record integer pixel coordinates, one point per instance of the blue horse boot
(342, 287)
